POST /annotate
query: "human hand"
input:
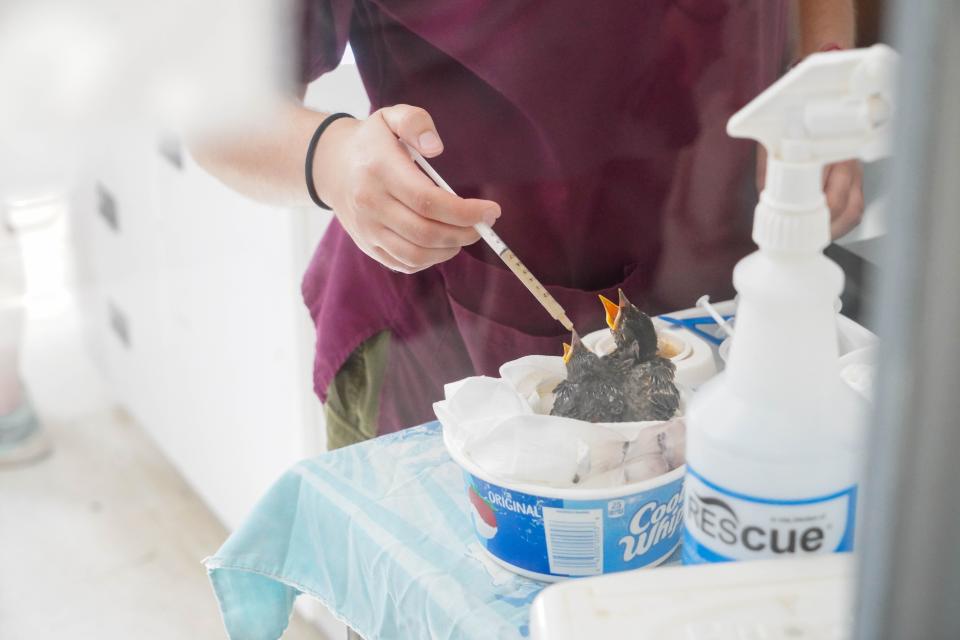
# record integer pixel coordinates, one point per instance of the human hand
(843, 186)
(394, 213)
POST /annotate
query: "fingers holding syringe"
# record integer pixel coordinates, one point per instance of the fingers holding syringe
(425, 232)
(414, 126)
(412, 256)
(408, 184)
(380, 255)
(382, 243)
(415, 190)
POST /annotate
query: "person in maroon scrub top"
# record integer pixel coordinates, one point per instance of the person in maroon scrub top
(590, 134)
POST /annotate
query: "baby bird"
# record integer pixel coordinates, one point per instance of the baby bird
(646, 378)
(592, 391)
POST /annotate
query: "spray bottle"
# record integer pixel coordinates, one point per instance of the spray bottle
(774, 442)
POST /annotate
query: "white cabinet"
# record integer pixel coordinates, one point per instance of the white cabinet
(192, 309)
(195, 317)
(195, 313)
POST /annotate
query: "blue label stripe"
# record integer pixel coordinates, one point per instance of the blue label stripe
(743, 496)
(521, 539)
(846, 542)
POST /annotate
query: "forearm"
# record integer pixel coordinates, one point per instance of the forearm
(265, 164)
(823, 22)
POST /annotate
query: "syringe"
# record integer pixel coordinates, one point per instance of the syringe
(501, 249)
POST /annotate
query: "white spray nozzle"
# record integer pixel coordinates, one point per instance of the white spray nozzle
(832, 106)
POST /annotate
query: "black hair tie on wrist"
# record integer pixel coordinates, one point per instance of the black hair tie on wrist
(311, 149)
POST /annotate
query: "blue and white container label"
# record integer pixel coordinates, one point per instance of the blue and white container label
(722, 525)
(566, 538)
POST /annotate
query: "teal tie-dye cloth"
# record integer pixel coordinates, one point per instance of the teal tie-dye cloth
(380, 533)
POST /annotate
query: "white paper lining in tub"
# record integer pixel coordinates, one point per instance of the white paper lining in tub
(503, 425)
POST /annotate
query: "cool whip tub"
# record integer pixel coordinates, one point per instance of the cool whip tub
(549, 534)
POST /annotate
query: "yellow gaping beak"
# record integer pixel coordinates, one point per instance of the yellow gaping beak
(612, 309)
(567, 350)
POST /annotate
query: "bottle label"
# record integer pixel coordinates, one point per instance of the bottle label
(722, 525)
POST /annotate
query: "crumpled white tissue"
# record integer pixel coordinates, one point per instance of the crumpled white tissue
(503, 425)
(858, 369)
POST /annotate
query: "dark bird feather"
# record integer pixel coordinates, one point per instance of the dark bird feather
(591, 391)
(631, 384)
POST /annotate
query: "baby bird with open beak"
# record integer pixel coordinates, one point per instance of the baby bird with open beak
(592, 391)
(646, 378)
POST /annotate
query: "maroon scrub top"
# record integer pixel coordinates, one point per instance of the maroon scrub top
(599, 128)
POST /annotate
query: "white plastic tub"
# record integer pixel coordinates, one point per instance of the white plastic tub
(550, 534)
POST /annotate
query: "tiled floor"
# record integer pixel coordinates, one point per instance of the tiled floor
(103, 539)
